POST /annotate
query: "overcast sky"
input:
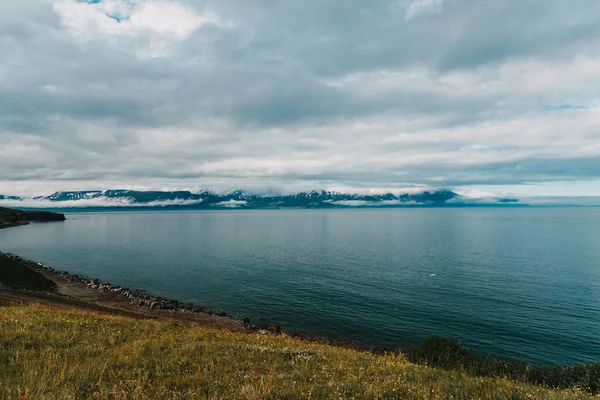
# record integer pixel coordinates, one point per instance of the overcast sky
(481, 96)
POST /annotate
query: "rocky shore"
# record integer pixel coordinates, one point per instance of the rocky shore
(135, 298)
(106, 294)
(117, 294)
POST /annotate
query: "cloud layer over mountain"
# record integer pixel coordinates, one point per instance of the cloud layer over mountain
(478, 96)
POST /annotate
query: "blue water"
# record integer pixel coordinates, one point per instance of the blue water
(519, 283)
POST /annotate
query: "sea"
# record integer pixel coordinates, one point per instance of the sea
(517, 283)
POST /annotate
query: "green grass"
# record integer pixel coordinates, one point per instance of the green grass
(447, 353)
(15, 275)
(48, 354)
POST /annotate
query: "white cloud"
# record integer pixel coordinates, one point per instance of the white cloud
(535, 83)
(34, 188)
(351, 203)
(231, 203)
(564, 189)
(160, 23)
(417, 8)
(92, 202)
(375, 154)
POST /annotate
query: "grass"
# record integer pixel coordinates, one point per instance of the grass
(15, 275)
(49, 354)
(447, 353)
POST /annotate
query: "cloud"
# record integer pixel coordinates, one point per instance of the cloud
(93, 202)
(159, 23)
(281, 96)
(231, 203)
(421, 7)
(351, 203)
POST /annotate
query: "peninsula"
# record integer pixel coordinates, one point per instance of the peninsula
(10, 217)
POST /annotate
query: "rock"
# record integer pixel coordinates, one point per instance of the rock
(172, 304)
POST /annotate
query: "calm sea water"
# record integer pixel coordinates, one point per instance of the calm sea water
(520, 283)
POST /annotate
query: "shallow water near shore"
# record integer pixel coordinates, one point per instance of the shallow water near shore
(518, 283)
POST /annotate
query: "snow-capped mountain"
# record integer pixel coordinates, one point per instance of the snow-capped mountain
(235, 199)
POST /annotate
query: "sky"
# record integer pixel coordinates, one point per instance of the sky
(484, 97)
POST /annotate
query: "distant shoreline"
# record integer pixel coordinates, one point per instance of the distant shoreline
(12, 225)
(10, 217)
(135, 208)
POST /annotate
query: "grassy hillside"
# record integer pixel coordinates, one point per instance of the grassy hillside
(15, 275)
(49, 354)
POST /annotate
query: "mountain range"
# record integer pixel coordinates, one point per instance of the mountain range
(237, 199)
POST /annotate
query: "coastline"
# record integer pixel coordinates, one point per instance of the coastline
(66, 289)
(13, 225)
(83, 291)
(32, 281)
(74, 289)
(76, 292)
(87, 292)
(90, 289)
